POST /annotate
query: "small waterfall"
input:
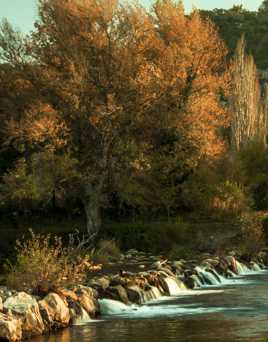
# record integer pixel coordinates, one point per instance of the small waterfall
(174, 286)
(211, 279)
(231, 273)
(197, 282)
(241, 268)
(82, 318)
(256, 267)
(151, 294)
(221, 278)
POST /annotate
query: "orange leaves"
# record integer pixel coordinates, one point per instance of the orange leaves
(192, 77)
(43, 125)
(40, 125)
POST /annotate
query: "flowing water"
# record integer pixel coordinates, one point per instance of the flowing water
(236, 311)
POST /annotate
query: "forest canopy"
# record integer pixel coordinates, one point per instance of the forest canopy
(111, 111)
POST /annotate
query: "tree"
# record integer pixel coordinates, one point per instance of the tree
(249, 118)
(106, 80)
(85, 59)
(184, 85)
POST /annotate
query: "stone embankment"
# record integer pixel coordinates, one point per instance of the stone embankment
(23, 315)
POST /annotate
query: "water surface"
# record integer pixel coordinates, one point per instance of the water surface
(236, 312)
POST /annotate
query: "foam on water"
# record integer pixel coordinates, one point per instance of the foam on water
(114, 307)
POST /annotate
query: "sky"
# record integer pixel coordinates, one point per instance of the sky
(21, 13)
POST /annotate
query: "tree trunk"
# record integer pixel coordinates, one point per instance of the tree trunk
(93, 217)
(91, 202)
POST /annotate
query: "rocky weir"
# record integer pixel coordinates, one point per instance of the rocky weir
(23, 315)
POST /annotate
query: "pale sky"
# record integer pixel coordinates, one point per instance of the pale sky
(21, 13)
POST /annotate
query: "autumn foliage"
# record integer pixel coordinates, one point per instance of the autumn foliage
(119, 93)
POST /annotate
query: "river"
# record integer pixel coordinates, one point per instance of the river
(237, 311)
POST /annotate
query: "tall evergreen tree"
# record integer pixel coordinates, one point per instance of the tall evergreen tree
(249, 119)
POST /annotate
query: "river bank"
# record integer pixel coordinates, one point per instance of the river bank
(24, 315)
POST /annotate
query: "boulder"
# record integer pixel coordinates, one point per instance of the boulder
(25, 308)
(134, 294)
(211, 262)
(87, 297)
(100, 284)
(10, 328)
(118, 280)
(231, 261)
(117, 293)
(66, 294)
(54, 311)
(78, 314)
(5, 292)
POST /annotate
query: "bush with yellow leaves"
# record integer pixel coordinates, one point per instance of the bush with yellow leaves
(43, 264)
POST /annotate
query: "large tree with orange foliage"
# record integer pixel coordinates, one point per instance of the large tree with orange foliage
(110, 79)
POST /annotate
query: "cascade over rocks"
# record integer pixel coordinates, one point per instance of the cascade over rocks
(23, 315)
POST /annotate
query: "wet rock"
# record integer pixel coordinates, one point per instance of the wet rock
(54, 311)
(168, 271)
(134, 294)
(189, 281)
(5, 292)
(159, 264)
(10, 328)
(100, 284)
(178, 266)
(87, 297)
(25, 308)
(78, 314)
(117, 293)
(66, 294)
(231, 261)
(118, 280)
(211, 262)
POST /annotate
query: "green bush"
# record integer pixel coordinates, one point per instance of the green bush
(251, 237)
(254, 170)
(43, 264)
(214, 196)
(230, 200)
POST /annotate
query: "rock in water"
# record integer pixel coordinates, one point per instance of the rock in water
(55, 311)
(25, 308)
(87, 298)
(79, 316)
(10, 328)
(117, 293)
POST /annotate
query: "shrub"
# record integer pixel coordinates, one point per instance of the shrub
(251, 234)
(107, 250)
(212, 196)
(230, 199)
(43, 264)
(254, 161)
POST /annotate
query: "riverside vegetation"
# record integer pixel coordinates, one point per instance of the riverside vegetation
(126, 128)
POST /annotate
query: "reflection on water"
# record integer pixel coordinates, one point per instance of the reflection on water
(238, 313)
